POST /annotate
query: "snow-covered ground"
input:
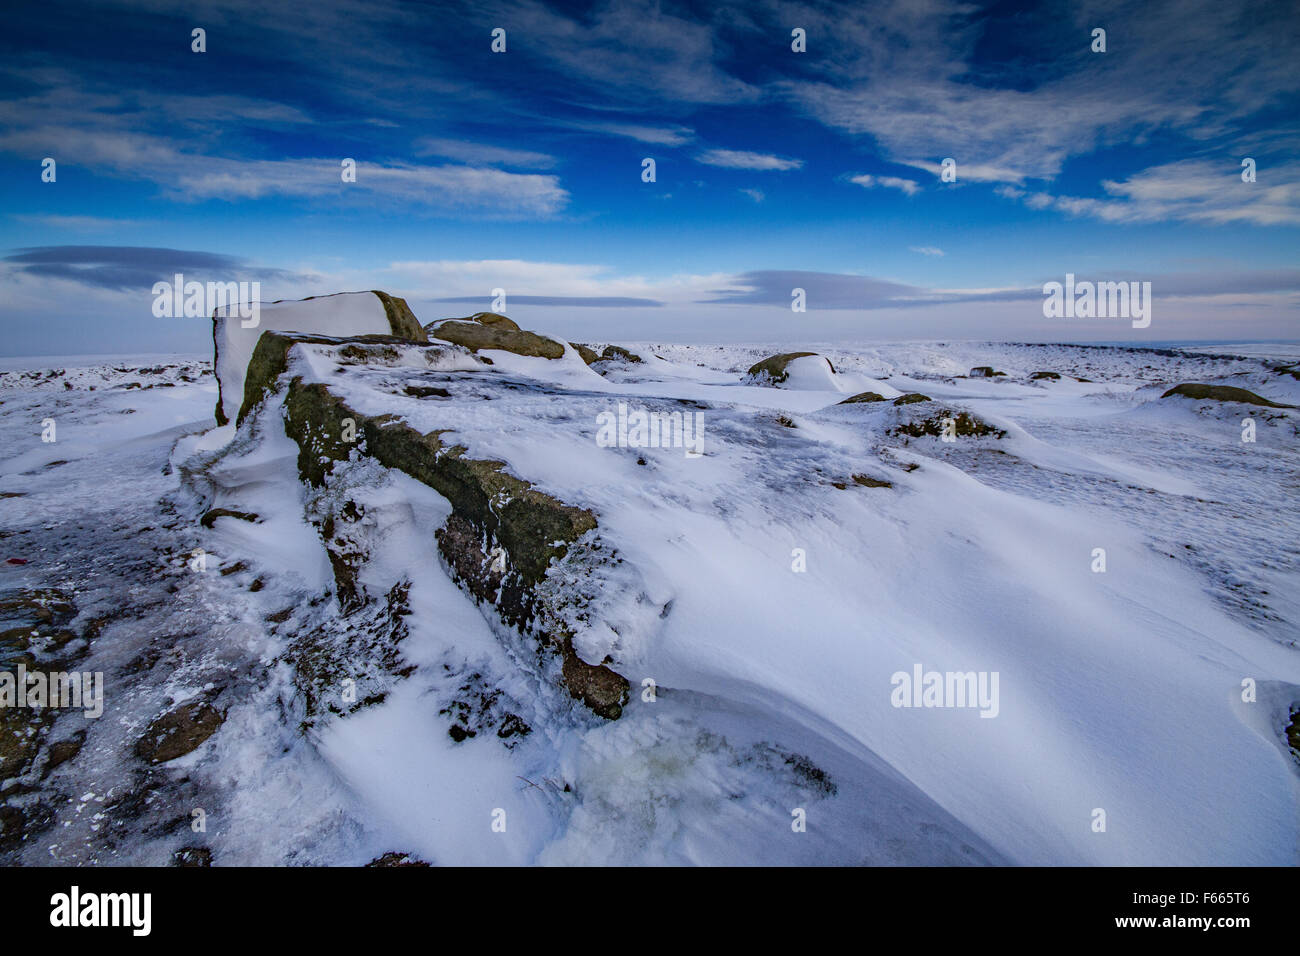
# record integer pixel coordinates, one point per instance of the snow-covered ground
(770, 597)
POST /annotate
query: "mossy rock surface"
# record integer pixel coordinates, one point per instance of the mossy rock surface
(210, 517)
(587, 352)
(179, 731)
(271, 359)
(493, 319)
(863, 397)
(402, 324)
(490, 508)
(774, 366)
(192, 856)
(1221, 393)
(985, 371)
(475, 336)
(616, 353)
(393, 858)
(911, 398)
(401, 320)
(965, 425)
(426, 391)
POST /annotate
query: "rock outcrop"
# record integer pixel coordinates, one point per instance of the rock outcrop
(774, 370)
(502, 534)
(342, 314)
(1221, 393)
(504, 336)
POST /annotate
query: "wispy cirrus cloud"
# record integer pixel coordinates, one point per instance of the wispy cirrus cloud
(76, 223)
(481, 153)
(742, 159)
(841, 291)
(613, 46)
(869, 181)
(909, 76)
(657, 135)
(1193, 190)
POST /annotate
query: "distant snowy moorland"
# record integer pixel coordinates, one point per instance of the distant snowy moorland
(467, 594)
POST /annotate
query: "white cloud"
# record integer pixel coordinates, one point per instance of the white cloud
(656, 135)
(190, 177)
(1193, 190)
(908, 75)
(481, 153)
(632, 47)
(926, 250)
(868, 181)
(969, 172)
(741, 159)
(77, 223)
(754, 194)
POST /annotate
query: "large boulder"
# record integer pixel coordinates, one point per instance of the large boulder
(1220, 393)
(616, 353)
(502, 535)
(475, 335)
(342, 314)
(775, 369)
(863, 397)
(492, 319)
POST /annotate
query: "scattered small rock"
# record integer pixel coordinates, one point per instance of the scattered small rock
(179, 731)
(210, 517)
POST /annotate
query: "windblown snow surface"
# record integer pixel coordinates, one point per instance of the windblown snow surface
(1119, 691)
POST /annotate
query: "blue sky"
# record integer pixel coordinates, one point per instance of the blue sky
(523, 170)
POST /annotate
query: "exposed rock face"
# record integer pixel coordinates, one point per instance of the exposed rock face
(210, 517)
(911, 398)
(588, 354)
(270, 359)
(985, 371)
(1221, 393)
(773, 368)
(393, 858)
(861, 397)
(34, 633)
(475, 336)
(345, 313)
(500, 539)
(1038, 376)
(965, 425)
(192, 856)
(401, 320)
(616, 353)
(179, 731)
(493, 319)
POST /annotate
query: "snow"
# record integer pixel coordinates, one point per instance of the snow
(347, 313)
(1119, 691)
